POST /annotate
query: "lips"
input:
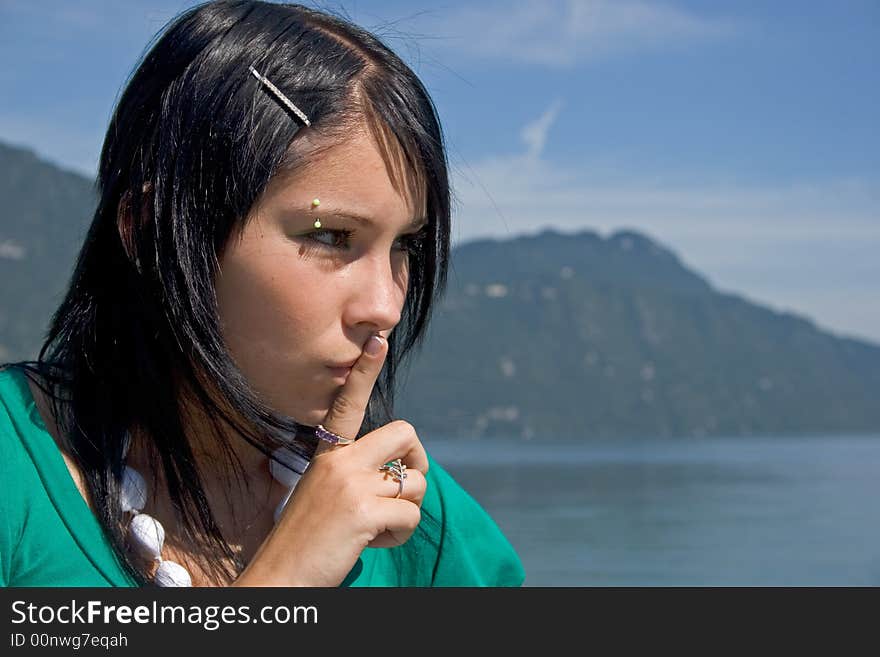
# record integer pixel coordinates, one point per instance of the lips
(340, 366)
(341, 371)
(339, 374)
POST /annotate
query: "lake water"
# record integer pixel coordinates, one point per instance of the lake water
(703, 512)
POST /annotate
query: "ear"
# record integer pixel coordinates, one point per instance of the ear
(125, 221)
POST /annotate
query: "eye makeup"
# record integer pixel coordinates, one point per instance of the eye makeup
(340, 239)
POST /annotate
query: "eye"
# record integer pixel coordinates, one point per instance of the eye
(331, 239)
(340, 240)
(412, 242)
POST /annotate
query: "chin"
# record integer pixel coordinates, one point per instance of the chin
(312, 417)
(311, 409)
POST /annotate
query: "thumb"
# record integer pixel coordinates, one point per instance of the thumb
(347, 411)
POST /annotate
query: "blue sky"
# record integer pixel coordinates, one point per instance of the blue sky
(743, 135)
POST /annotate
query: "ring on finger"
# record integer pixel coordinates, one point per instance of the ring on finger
(322, 433)
(397, 470)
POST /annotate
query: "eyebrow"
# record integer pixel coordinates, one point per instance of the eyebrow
(415, 224)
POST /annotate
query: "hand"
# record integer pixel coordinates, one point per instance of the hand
(343, 503)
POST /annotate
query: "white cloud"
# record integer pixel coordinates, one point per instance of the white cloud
(535, 134)
(561, 33)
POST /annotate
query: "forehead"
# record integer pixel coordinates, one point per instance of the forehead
(357, 172)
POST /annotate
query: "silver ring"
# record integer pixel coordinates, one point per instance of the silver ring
(397, 470)
(329, 437)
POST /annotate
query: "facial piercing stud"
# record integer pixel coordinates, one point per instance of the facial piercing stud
(315, 204)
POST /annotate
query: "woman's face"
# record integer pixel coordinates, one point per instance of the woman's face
(297, 302)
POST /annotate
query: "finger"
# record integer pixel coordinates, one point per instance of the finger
(413, 489)
(395, 440)
(347, 411)
(399, 519)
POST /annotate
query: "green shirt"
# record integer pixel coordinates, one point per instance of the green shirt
(50, 537)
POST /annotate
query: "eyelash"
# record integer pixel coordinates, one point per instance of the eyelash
(412, 242)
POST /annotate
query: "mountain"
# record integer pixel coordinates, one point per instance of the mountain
(550, 335)
(576, 336)
(44, 215)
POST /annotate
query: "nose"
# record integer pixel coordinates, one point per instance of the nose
(377, 293)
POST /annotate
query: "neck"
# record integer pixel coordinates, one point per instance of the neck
(234, 474)
(214, 452)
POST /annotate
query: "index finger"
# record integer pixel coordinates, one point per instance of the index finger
(346, 414)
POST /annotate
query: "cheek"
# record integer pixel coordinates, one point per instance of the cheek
(267, 310)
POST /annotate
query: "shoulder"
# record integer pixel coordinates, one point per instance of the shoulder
(471, 549)
(29, 417)
(15, 422)
(17, 469)
(48, 537)
(18, 423)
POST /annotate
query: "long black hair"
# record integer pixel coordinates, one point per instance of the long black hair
(193, 142)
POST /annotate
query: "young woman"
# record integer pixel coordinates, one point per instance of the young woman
(271, 233)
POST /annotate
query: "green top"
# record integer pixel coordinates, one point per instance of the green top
(50, 537)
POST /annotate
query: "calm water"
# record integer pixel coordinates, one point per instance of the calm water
(724, 512)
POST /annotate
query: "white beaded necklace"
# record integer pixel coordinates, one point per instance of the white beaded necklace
(147, 533)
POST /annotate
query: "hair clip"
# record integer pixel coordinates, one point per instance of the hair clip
(280, 96)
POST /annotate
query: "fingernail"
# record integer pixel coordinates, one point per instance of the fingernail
(374, 345)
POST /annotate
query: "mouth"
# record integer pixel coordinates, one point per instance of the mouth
(340, 373)
(346, 365)
(341, 370)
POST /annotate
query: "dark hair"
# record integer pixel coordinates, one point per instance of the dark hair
(193, 142)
